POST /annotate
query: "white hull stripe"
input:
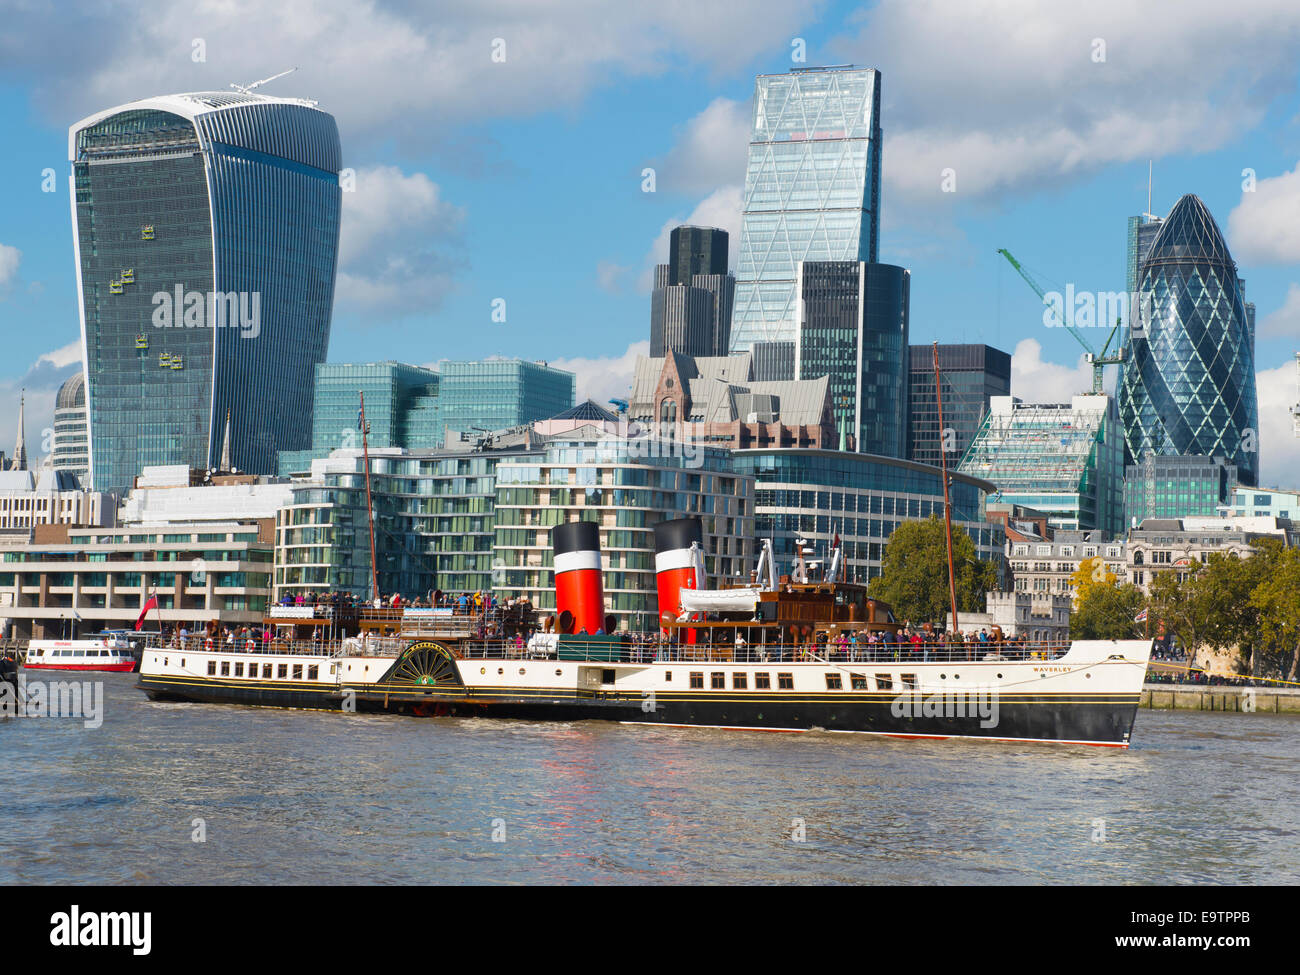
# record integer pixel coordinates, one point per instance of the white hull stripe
(572, 561)
(679, 558)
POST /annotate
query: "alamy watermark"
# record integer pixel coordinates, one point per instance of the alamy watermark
(179, 308)
(1095, 309)
(980, 701)
(79, 700)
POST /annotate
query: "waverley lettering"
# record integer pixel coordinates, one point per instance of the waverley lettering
(74, 929)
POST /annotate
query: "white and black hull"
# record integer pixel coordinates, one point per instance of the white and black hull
(1088, 696)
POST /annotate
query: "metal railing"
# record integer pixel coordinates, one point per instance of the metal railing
(768, 654)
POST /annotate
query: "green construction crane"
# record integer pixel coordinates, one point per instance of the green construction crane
(1098, 362)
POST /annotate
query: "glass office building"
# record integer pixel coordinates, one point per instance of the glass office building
(812, 190)
(969, 377)
(817, 495)
(1063, 459)
(206, 229)
(493, 394)
(402, 409)
(1188, 385)
(1177, 487)
(853, 329)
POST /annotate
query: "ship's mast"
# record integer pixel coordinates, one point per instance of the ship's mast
(947, 504)
(370, 510)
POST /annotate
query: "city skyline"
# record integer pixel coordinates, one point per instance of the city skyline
(409, 195)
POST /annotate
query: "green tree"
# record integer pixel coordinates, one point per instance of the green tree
(1276, 599)
(914, 572)
(1107, 612)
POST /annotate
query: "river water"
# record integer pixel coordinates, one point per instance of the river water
(307, 797)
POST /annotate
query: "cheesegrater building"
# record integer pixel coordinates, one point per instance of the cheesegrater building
(206, 229)
(1188, 385)
(812, 191)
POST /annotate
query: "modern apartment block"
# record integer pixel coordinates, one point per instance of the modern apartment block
(627, 486)
(206, 229)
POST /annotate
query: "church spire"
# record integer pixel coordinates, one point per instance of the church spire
(20, 449)
(225, 447)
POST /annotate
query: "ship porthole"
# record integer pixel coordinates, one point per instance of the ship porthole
(557, 671)
(999, 676)
(1089, 676)
(521, 670)
(943, 676)
(500, 670)
(482, 670)
(956, 676)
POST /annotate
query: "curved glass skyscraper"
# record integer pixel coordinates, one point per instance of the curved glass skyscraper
(812, 190)
(1188, 385)
(206, 229)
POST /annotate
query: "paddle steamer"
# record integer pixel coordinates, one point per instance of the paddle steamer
(786, 653)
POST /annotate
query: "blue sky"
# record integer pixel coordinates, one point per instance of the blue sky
(481, 179)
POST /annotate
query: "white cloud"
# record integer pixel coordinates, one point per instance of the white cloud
(1264, 228)
(722, 208)
(61, 358)
(385, 68)
(609, 276)
(605, 377)
(1279, 448)
(10, 257)
(711, 151)
(1035, 380)
(38, 385)
(393, 227)
(1286, 320)
(1017, 101)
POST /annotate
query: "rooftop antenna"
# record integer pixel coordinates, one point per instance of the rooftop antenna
(247, 89)
(1149, 215)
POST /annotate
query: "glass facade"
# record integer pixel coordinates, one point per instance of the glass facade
(1177, 487)
(970, 376)
(812, 190)
(627, 487)
(402, 408)
(1188, 385)
(493, 394)
(854, 322)
(434, 516)
(819, 494)
(1065, 460)
(206, 228)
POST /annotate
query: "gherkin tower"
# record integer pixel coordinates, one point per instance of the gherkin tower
(1188, 384)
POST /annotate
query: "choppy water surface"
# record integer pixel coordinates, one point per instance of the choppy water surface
(314, 797)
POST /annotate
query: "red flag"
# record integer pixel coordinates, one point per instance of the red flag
(152, 603)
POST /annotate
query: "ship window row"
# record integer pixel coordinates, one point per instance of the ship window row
(785, 681)
(281, 671)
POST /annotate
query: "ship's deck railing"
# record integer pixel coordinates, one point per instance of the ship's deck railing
(770, 654)
(634, 652)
